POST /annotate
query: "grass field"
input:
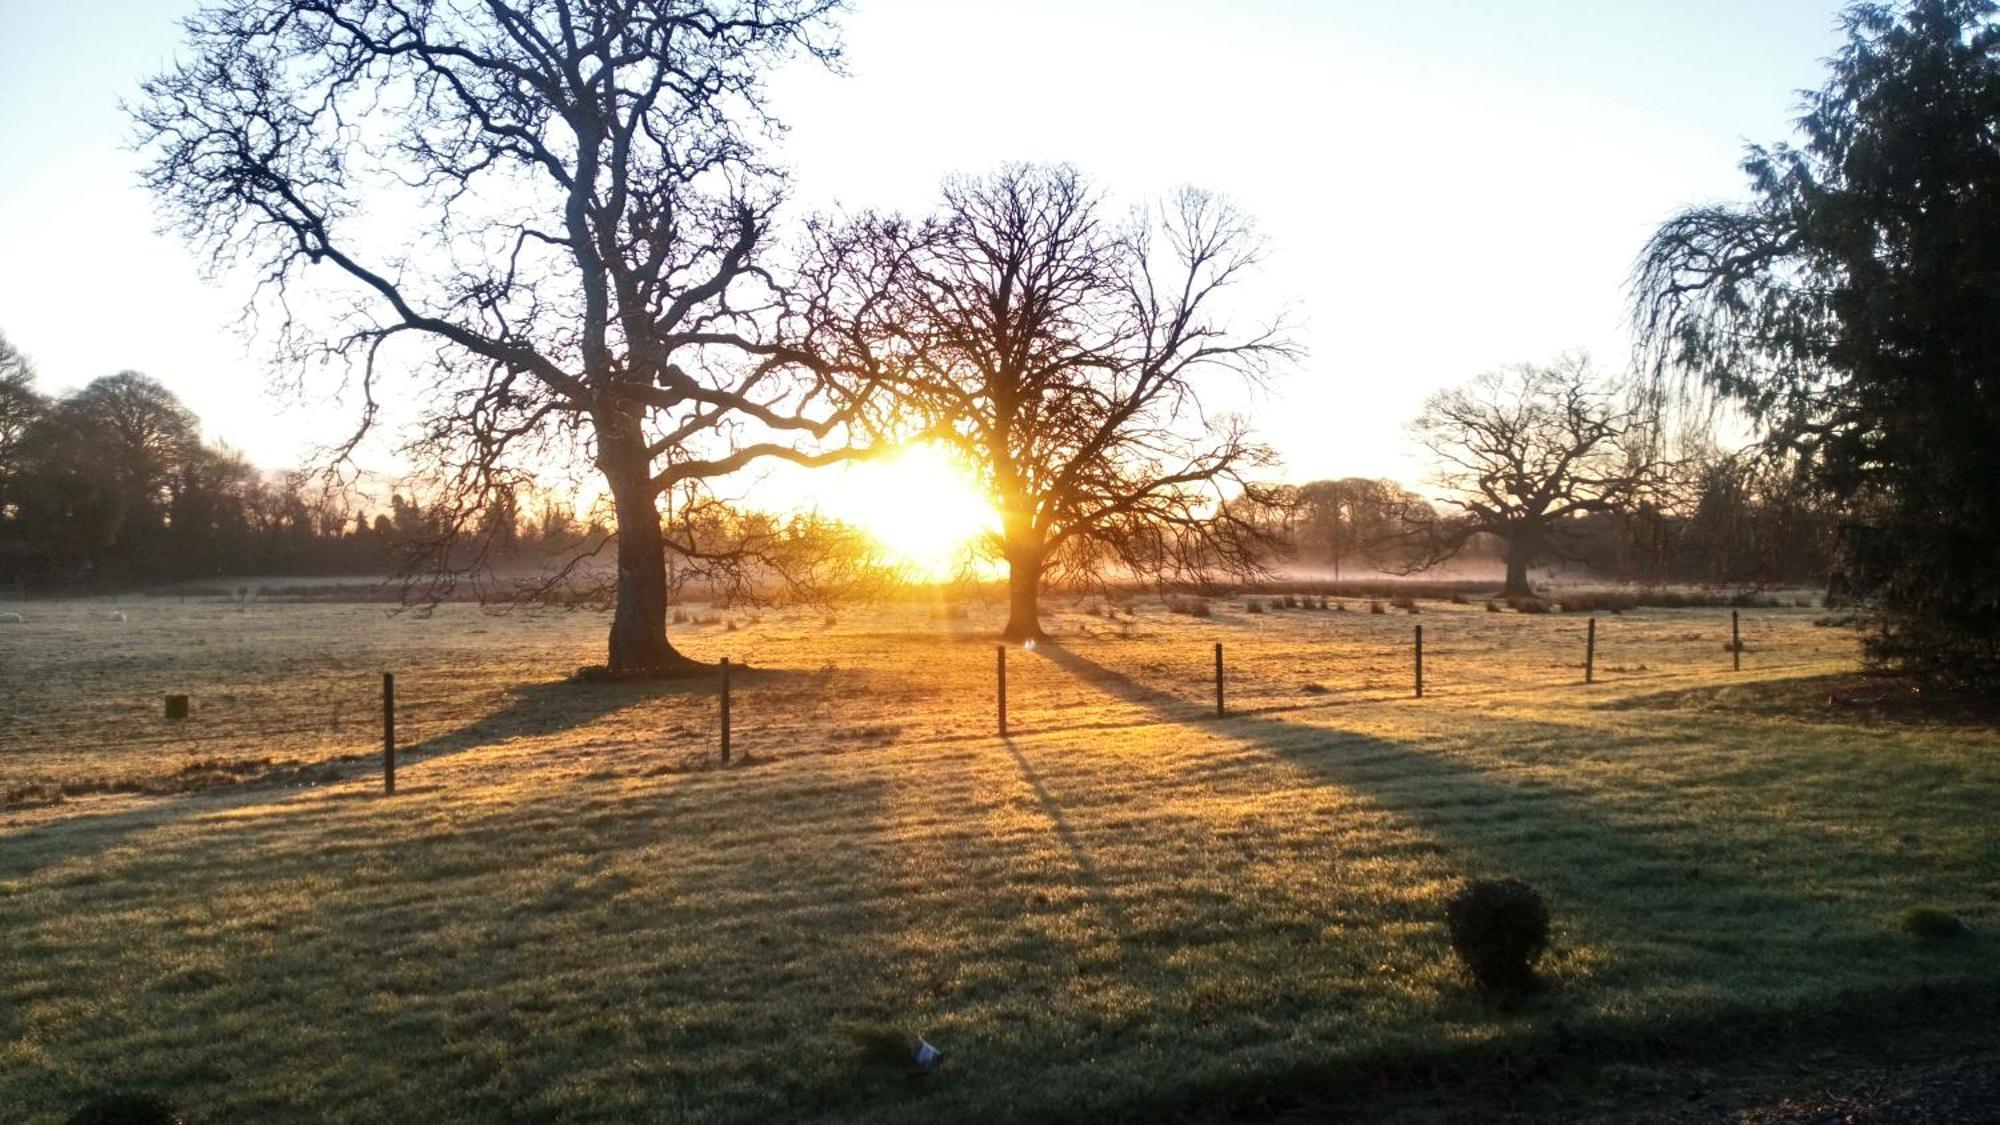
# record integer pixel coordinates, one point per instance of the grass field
(1127, 908)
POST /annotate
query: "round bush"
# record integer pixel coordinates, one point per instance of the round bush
(1931, 923)
(1499, 928)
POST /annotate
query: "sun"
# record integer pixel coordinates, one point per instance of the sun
(920, 505)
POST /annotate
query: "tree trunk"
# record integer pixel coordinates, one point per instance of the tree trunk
(1518, 551)
(638, 646)
(1024, 591)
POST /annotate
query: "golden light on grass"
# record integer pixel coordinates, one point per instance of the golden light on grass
(921, 506)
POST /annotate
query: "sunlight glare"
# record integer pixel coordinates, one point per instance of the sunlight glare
(921, 506)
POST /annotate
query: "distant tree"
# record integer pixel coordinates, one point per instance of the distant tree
(1522, 451)
(1358, 518)
(562, 204)
(1853, 308)
(20, 407)
(1066, 357)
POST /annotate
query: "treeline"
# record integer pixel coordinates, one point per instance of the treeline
(112, 486)
(1735, 521)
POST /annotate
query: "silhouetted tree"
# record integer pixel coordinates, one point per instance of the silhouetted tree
(1065, 356)
(1359, 518)
(1523, 450)
(20, 407)
(1853, 307)
(585, 253)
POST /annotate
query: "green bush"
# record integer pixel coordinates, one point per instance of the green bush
(1499, 928)
(1931, 923)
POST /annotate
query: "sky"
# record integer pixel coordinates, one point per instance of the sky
(1442, 188)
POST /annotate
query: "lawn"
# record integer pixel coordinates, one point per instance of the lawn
(1127, 908)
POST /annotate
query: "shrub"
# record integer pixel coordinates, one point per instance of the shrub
(1499, 928)
(1931, 923)
(1376, 607)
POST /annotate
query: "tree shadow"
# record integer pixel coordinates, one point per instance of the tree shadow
(1651, 895)
(537, 710)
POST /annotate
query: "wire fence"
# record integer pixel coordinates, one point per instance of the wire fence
(935, 693)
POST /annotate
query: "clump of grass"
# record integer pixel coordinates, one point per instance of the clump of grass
(1499, 928)
(1931, 923)
(1597, 601)
(886, 1049)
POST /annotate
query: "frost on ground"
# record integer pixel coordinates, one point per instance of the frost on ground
(1124, 908)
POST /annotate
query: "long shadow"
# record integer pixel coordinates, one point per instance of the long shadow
(1637, 897)
(1093, 880)
(535, 710)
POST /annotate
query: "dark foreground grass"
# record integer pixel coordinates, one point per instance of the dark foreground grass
(1166, 915)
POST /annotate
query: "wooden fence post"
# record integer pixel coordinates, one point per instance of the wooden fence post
(1219, 712)
(725, 710)
(1735, 641)
(1590, 653)
(1000, 694)
(388, 732)
(1420, 662)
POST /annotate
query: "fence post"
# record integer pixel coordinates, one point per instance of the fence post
(1000, 694)
(1590, 653)
(1219, 712)
(1420, 662)
(388, 732)
(1735, 640)
(725, 710)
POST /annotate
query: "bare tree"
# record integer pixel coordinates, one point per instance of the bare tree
(1065, 357)
(1524, 449)
(20, 405)
(561, 203)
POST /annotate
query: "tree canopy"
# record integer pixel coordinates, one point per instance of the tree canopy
(558, 213)
(1066, 355)
(1852, 306)
(1524, 450)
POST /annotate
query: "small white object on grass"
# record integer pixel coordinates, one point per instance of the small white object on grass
(10, 619)
(1029, 644)
(927, 1056)
(115, 615)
